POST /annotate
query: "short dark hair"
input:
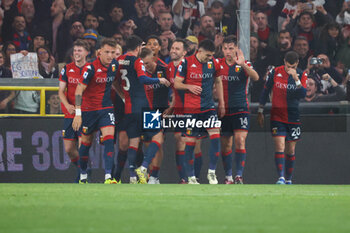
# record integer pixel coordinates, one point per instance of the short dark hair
(145, 52)
(230, 39)
(284, 31)
(207, 45)
(291, 57)
(109, 41)
(82, 43)
(217, 4)
(132, 42)
(154, 37)
(307, 13)
(184, 43)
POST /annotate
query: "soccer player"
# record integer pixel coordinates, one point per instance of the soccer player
(94, 109)
(131, 72)
(288, 85)
(68, 81)
(235, 73)
(197, 75)
(158, 97)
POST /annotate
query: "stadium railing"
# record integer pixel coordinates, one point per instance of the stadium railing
(41, 85)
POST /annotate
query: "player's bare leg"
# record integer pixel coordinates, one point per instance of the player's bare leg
(279, 157)
(214, 152)
(123, 145)
(108, 141)
(226, 155)
(290, 160)
(86, 141)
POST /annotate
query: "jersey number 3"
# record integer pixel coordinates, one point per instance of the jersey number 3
(127, 82)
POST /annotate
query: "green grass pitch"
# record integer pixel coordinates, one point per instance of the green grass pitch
(70, 208)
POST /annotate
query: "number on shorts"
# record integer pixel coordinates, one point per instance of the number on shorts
(111, 117)
(127, 82)
(296, 132)
(244, 121)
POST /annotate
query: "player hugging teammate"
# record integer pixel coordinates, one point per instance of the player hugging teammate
(142, 83)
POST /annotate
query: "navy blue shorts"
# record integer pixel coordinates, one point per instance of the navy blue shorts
(94, 120)
(202, 131)
(68, 133)
(292, 132)
(231, 123)
(132, 124)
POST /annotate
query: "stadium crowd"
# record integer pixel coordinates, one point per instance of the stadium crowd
(314, 29)
(68, 36)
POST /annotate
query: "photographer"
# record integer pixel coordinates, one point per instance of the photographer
(312, 89)
(317, 67)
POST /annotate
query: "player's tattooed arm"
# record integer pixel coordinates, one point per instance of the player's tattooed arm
(78, 100)
(78, 95)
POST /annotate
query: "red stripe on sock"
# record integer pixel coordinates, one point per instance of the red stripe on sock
(190, 143)
(290, 157)
(217, 154)
(241, 151)
(86, 144)
(279, 156)
(243, 163)
(215, 136)
(108, 137)
(197, 155)
(85, 158)
(190, 162)
(227, 153)
(180, 152)
(75, 159)
(133, 148)
(158, 144)
(179, 168)
(155, 168)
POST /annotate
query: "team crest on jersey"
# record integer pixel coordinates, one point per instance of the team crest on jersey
(238, 69)
(159, 74)
(113, 67)
(274, 131)
(63, 133)
(210, 65)
(189, 132)
(85, 129)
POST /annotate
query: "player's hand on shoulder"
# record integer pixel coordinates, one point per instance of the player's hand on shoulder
(164, 81)
(197, 90)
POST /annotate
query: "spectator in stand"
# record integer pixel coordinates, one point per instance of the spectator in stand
(192, 42)
(154, 44)
(5, 96)
(119, 38)
(265, 33)
(127, 28)
(91, 22)
(20, 36)
(223, 24)
(39, 40)
(284, 45)
(28, 11)
(180, 6)
(89, 6)
(156, 7)
(75, 10)
(262, 6)
(301, 46)
(313, 95)
(343, 18)
(164, 53)
(166, 24)
(42, 11)
(288, 10)
(330, 41)
(343, 56)
(207, 28)
(119, 51)
(76, 30)
(53, 103)
(90, 36)
(146, 26)
(111, 23)
(10, 10)
(8, 49)
(46, 62)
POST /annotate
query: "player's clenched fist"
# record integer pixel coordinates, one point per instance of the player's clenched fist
(164, 81)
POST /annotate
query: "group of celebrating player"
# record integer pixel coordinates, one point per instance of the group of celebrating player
(111, 94)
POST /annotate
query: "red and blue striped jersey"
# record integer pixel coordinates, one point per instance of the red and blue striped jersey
(158, 94)
(70, 74)
(285, 95)
(98, 80)
(130, 69)
(200, 74)
(235, 84)
(178, 94)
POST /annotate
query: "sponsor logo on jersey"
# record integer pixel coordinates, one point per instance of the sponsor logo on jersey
(199, 76)
(194, 66)
(105, 79)
(279, 75)
(73, 80)
(287, 86)
(238, 69)
(71, 71)
(99, 70)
